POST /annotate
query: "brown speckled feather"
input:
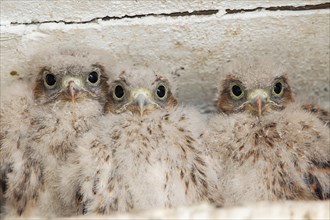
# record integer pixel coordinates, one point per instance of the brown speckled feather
(267, 147)
(322, 114)
(146, 153)
(69, 94)
(14, 119)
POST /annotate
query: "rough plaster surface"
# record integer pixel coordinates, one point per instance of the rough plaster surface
(262, 210)
(294, 33)
(286, 210)
(27, 11)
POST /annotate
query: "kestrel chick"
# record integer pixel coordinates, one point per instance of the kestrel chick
(266, 146)
(145, 153)
(69, 95)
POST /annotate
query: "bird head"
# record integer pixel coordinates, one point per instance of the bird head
(258, 100)
(72, 83)
(140, 91)
(142, 101)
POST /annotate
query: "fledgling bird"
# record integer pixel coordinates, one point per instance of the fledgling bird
(265, 146)
(145, 153)
(68, 97)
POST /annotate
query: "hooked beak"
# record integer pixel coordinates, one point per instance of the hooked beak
(72, 86)
(258, 100)
(141, 102)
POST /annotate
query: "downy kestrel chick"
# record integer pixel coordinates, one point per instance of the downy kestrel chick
(145, 153)
(69, 95)
(266, 146)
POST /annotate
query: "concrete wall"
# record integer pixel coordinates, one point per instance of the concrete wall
(199, 35)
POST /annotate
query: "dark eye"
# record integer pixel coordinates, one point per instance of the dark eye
(50, 79)
(93, 77)
(119, 91)
(277, 89)
(161, 91)
(236, 90)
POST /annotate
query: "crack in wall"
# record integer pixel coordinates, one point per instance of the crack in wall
(107, 18)
(282, 8)
(185, 13)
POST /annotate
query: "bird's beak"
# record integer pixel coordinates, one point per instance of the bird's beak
(142, 100)
(258, 100)
(72, 86)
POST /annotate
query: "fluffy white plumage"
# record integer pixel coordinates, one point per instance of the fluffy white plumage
(266, 147)
(138, 161)
(277, 166)
(59, 112)
(14, 119)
